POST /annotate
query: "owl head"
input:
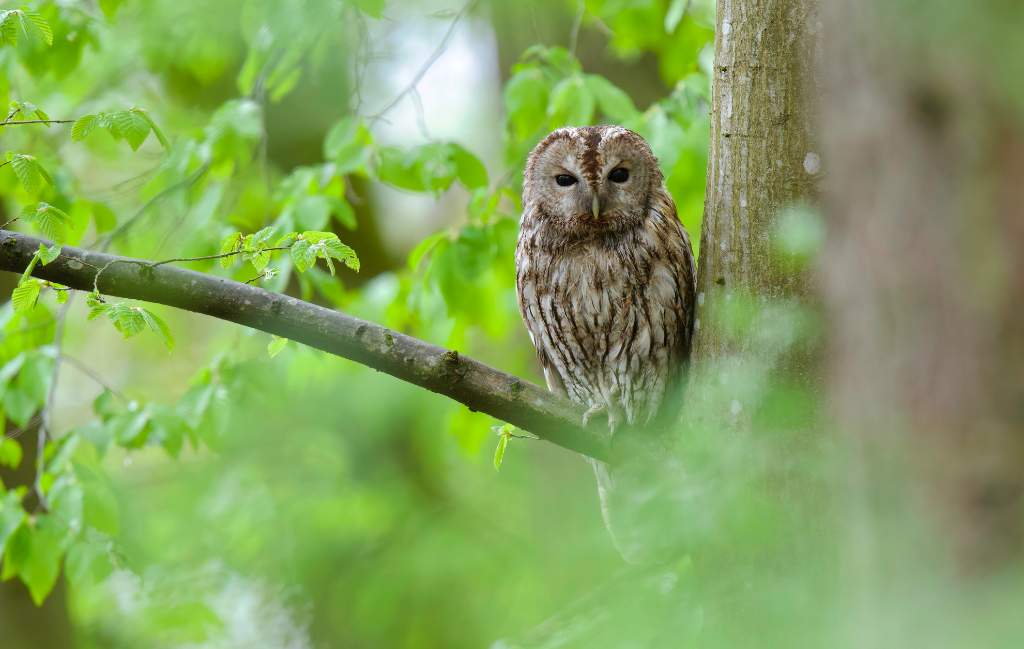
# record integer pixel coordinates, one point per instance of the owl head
(583, 181)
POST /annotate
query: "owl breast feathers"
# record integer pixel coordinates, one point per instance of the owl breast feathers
(604, 272)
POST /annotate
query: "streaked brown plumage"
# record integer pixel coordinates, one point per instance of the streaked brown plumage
(606, 282)
(607, 298)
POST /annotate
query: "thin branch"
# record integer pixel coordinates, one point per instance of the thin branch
(165, 192)
(208, 257)
(442, 46)
(478, 386)
(88, 371)
(16, 122)
(577, 23)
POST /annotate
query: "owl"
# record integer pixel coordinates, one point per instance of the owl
(605, 274)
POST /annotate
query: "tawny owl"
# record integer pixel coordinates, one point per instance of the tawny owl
(606, 281)
(604, 272)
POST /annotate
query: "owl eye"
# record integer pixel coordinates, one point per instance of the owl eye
(619, 175)
(565, 180)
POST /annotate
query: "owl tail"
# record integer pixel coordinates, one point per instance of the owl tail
(638, 512)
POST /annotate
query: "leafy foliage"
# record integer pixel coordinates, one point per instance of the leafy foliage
(272, 170)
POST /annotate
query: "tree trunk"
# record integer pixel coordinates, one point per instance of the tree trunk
(763, 160)
(763, 156)
(924, 279)
(23, 625)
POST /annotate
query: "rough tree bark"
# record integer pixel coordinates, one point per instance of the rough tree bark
(924, 136)
(763, 154)
(763, 159)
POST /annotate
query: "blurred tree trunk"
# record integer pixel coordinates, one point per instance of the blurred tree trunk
(924, 139)
(23, 625)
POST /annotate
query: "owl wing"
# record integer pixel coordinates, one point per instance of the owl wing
(680, 256)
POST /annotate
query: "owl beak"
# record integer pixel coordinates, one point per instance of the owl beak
(595, 207)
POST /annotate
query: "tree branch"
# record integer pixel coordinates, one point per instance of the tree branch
(463, 379)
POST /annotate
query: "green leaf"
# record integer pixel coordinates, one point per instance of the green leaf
(153, 127)
(105, 405)
(499, 451)
(99, 505)
(39, 569)
(9, 29)
(29, 172)
(48, 253)
(35, 376)
(276, 344)
(157, 324)
(343, 253)
(97, 306)
(424, 247)
(571, 103)
(103, 217)
(37, 26)
(343, 212)
(19, 546)
(372, 8)
(130, 125)
(611, 100)
(127, 319)
(303, 255)
(19, 406)
(25, 295)
(231, 243)
(88, 560)
(82, 127)
(471, 172)
(11, 517)
(312, 212)
(109, 7)
(52, 222)
(526, 100)
(10, 452)
(675, 13)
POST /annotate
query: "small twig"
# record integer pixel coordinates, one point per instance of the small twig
(442, 46)
(4, 164)
(88, 371)
(154, 264)
(421, 117)
(124, 227)
(208, 257)
(46, 414)
(577, 23)
(37, 121)
(8, 222)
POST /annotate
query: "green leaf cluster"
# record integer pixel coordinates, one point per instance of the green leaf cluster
(133, 126)
(129, 319)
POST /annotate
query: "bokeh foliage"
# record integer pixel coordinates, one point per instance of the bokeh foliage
(242, 491)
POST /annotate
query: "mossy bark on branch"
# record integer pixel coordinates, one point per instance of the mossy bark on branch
(478, 386)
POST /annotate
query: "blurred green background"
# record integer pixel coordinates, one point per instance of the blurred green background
(206, 486)
(214, 496)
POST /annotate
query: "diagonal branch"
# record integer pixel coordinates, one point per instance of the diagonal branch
(478, 386)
